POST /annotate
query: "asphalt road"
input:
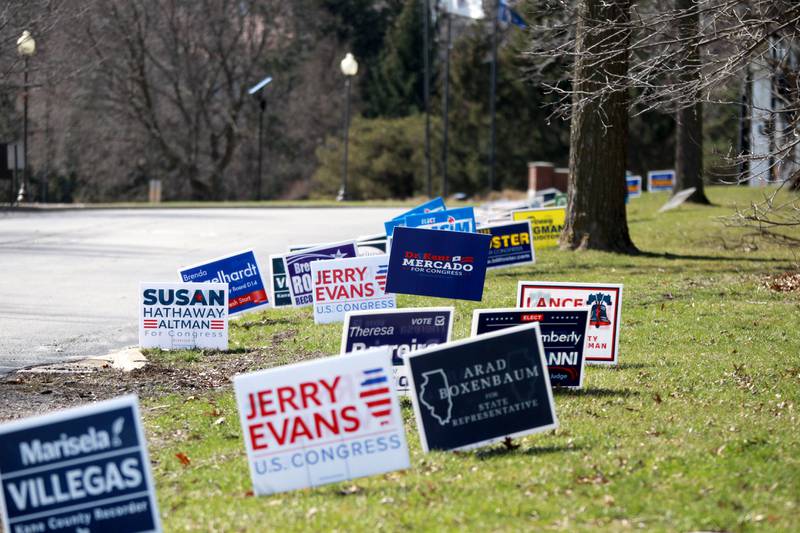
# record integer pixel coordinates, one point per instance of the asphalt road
(69, 279)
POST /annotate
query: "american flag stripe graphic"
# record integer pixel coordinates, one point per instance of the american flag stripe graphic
(150, 323)
(375, 393)
(380, 276)
(217, 324)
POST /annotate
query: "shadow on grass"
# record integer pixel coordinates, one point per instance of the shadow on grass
(264, 322)
(595, 393)
(502, 451)
(633, 366)
(684, 257)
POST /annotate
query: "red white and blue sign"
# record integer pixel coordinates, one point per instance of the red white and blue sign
(247, 290)
(351, 284)
(563, 337)
(83, 469)
(511, 244)
(460, 219)
(634, 186)
(660, 180)
(443, 264)
(432, 206)
(298, 268)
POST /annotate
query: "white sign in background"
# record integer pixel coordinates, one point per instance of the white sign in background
(351, 284)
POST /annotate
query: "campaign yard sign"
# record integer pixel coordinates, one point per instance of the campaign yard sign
(546, 224)
(437, 204)
(247, 290)
(444, 264)
(298, 268)
(281, 297)
(321, 421)
(402, 330)
(634, 184)
(183, 316)
(353, 284)
(478, 391)
(660, 180)
(82, 469)
(604, 301)
(511, 244)
(563, 337)
(461, 219)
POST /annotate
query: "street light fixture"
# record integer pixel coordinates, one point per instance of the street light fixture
(349, 67)
(26, 47)
(257, 90)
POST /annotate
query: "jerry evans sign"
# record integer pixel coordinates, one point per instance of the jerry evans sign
(402, 330)
(298, 267)
(563, 337)
(246, 288)
(84, 469)
(446, 264)
(546, 224)
(354, 284)
(321, 422)
(478, 391)
(660, 180)
(183, 315)
(437, 204)
(281, 297)
(461, 219)
(511, 244)
(604, 302)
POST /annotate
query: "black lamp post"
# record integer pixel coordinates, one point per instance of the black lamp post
(26, 47)
(349, 67)
(257, 91)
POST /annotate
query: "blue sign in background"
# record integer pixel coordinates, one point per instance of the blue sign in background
(246, 289)
(444, 264)
(437, 204)
(511, 244)
(460, 219)
(74, 475)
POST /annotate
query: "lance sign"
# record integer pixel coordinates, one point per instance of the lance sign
(321, 422)
(84, 469)
(246, 288)
(298, 268)
(604, 302)
(353, 284)
(182, 316)
(511, 244)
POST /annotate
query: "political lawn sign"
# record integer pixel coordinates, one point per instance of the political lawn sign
(660, 180)
(511, 244)
(321, 421)
(247, 290)
(444, 264)
(603, 300)
(402, 330)
(461, 219)
(432, 206)
(478, 391)
(353, 284)
(546, 224)
(183, 316)
(281, 297)
(83, 469)
(563, 337)
(298, 267)
(634, 185)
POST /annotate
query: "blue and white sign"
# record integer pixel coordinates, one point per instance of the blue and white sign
(247, 290)
(402, 330)
(511, 244)
(478, 391)
(444, 264)
(461, 219)
(437, 204)
(83, 469)
(298, 268)
(660, 180)
(634, 186)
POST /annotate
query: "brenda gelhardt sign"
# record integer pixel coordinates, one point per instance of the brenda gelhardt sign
(298, 268)
(402, 330)
(481, 390)
(246, 288)
(178, 316)
(321, 421)
(83, 469)
(353, 284)
(563, 337)
(511, 244)
(603, 300)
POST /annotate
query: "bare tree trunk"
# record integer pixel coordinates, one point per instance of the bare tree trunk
(596, 217)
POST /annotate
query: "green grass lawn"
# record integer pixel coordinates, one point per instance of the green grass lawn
(696, 429)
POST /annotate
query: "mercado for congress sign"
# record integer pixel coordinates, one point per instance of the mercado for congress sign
(546, 224)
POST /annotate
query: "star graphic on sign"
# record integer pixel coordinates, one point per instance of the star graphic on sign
(339, 254)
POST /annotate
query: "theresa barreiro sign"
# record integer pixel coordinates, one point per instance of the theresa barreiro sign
(511, 244)
(353, 284)
(478, 391)
(402, 330)
(321, 422)
(180, 316)
(246, 288)
(445, 264)
(563, 337)
(604, 302)
(281, 297)
(461, 219)
(83, 469)
(546, 224)
(298, 267)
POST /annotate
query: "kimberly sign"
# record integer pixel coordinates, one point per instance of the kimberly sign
(83, 469)
(478, 391)
(563, 337)
(246, 288)
(352, 284)
(321, 421)
(511, 244)
(402, 330)
(183, 316)
(298, 267)
(604, 302)
(444, 264)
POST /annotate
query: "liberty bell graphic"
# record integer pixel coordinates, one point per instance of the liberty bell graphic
(599, 316)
